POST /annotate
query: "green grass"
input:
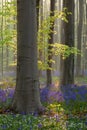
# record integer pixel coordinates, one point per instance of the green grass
(78, 80)
(81, 80)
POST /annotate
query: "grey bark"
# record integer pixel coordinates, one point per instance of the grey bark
(26, 97)
(67, 69)
(84, 39)
(37, 6)
(50, 41)
(2, 22)
(79, 37)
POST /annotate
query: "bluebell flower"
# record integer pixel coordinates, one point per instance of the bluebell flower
(20, 128)
(43, 94)
(35, 114)
(39, 125)
(57, 118)
(4, 127)
(10, 93)
(85, 122)
(23, 113)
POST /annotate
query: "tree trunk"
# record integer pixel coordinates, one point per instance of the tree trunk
(79, 37)
(67, 69)
(26, 97)
(2, 49)
(50, 41)
(37, 6)
(84, 39)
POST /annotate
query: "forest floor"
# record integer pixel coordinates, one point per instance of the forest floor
(68, 115)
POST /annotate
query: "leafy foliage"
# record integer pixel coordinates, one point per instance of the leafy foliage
(8, 31)
(56, 48)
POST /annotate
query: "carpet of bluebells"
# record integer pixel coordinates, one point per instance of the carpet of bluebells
(66, 110)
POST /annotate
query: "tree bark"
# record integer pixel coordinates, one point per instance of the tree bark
(26, 97)
(67, 69)
(79, 37)
(50, 41)
(37, 6)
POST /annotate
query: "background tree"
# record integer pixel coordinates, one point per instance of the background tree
(79, 36)
(38, 7)
(1, 28)
(50, 42)
(67, 70)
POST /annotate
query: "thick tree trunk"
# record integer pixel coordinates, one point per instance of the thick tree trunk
(26, 97)
(67, 69)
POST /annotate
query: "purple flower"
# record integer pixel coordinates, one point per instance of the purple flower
(2, 95)
(39, 125)
(20, 128)
(4, 127)
(57, 118)
(35, 113)
(85, 122)
(10, 93)
(43, 94)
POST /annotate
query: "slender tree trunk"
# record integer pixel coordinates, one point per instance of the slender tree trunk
(50, 41)
(7, 47)
(37, 6)
(2, 63)
(79, 37)
(84, 39)
(67, 72)
(26, 98)
(40, 20)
